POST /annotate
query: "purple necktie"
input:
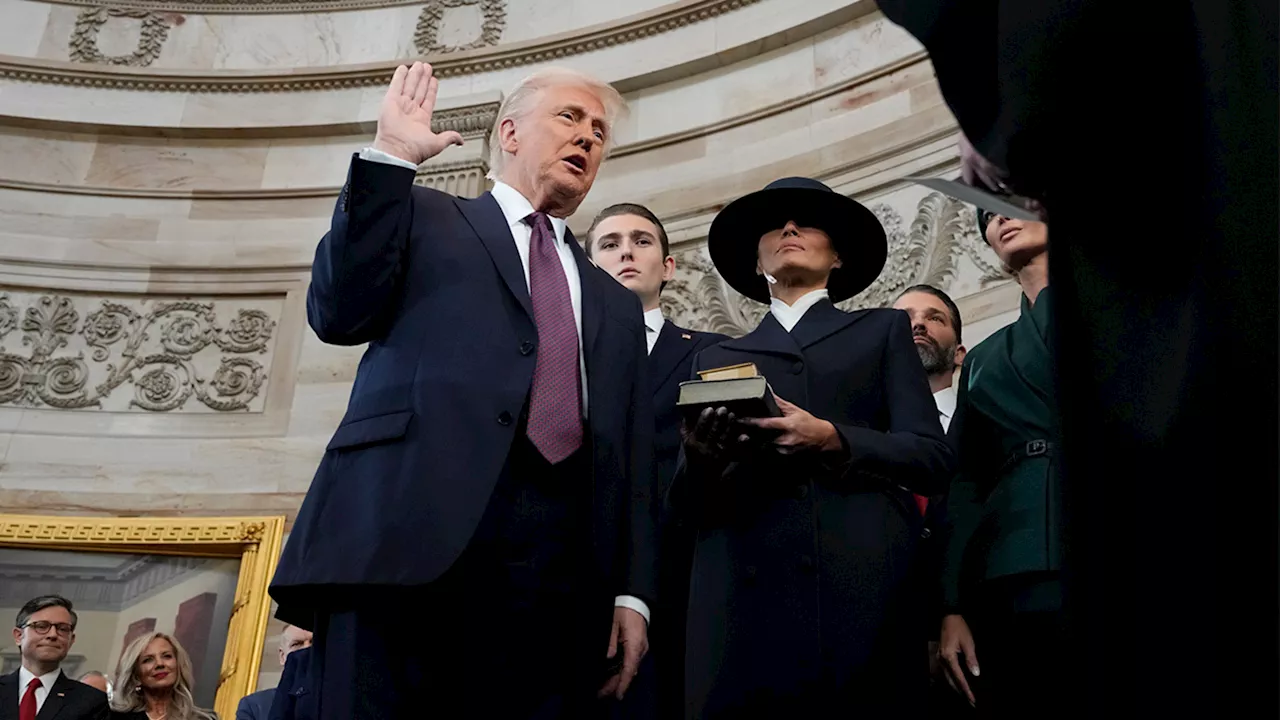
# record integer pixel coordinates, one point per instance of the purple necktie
(555, 401)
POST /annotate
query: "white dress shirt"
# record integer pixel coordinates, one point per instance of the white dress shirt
(653, 321)
(515, 208)
(789, 315)
(46, 683)
(945, 399)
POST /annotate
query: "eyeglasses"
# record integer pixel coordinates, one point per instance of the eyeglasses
(42, 627)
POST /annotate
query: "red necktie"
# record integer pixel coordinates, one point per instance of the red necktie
(922, 502)
(27, 708)
(555, 401)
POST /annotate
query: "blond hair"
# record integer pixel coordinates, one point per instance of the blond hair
(128, 695)
(524, 96)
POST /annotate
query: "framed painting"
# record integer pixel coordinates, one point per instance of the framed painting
(202, 580)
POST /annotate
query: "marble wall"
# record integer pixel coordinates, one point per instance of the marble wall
(168, 167)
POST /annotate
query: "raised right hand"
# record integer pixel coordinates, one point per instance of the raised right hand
(404, 121)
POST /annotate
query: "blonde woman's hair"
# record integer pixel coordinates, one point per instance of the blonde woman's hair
(128, 687)
(524, 96)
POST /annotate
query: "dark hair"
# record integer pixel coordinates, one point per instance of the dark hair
(946, 300)
(984, 219)
(35, 605)
(629, 209)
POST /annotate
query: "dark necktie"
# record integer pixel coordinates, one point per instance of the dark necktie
(555, 401)
(27, 708)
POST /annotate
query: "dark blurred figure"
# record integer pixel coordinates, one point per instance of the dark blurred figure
(1151, 138)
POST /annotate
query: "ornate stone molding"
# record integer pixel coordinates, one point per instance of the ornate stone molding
(426, 35)
(469, 120)
(464, 178)
(942, 233)
(84, 39)
(468, 62)
(169, 351)
(241, 7)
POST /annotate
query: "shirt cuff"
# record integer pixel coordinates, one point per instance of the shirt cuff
(633, 603)
(380, 157)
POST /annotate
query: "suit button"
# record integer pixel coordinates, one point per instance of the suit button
(802, 491)
(526, 347)
(504, 418)
(925, 533)
(797, 368)
(806, 562)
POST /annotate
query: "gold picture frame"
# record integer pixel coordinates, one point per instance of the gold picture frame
(255, 541)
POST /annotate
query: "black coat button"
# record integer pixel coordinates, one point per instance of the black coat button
(504, 418)
(806, 562)
(797, 368)
(802, 491)
(526, 347)
(925, 533)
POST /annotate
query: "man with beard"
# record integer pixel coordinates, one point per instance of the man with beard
(935, 326)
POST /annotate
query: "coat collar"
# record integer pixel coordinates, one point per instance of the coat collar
(488, 222)
(593, 299)
(820, 322)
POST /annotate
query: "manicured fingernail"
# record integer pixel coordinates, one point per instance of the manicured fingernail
(976, 672)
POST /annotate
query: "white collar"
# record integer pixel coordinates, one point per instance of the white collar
(653, 319)
(789, 315)
(516, 207)
(46, 681)
(946, 401)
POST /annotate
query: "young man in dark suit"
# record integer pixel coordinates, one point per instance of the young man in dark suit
(44, 632)
(490, 479)
(628, 242)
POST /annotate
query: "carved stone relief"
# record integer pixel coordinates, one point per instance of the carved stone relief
(941, 238)
(84, 39)
(76, 353)
(426, 36)
(464, 179)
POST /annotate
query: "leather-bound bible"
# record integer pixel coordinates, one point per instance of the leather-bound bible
(739, 388)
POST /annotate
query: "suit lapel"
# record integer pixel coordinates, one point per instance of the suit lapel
(768, 338)
(486, 218)
(9, 696)
(822, 321)
(672, 347)
(55, 699)
(592, 301)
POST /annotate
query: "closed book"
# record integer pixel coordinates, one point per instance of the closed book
(742, 396)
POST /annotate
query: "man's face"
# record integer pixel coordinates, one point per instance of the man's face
(51, 646)
(293, 638)
(559, 144)
(792, 250)
(628, 248)
(932, 330)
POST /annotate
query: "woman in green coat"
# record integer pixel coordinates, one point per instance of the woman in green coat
(1002, 599)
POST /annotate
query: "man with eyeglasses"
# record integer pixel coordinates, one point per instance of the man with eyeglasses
(44, 632)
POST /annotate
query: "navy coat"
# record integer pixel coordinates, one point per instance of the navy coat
(800, 604)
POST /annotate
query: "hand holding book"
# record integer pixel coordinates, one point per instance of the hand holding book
(797, 429)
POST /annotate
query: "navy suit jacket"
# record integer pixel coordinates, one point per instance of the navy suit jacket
(294, 698)
(434, 284)
(67, 700)
(669, 365)
(256, 706)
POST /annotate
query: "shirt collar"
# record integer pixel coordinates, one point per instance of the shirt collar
(653, 320)
(789, 315)
(46, 681)
(516, 207)
(946, 401)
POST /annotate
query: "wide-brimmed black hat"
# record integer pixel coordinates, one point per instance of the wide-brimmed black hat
(855, 232)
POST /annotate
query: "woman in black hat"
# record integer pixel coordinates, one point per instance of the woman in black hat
(798, 603)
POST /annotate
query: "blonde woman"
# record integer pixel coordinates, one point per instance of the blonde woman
(154, 682)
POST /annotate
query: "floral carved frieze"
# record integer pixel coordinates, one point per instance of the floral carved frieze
(426, 36)
(77, 353)
(939, 243)
(84, 39)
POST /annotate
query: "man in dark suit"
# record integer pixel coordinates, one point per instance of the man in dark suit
(295, 698)
(480, 529)
(44, 632)
(629, 242)
(802, 603)
(258, 705)
(1153, 360)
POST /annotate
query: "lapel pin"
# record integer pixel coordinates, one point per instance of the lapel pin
(62, 694)
(686, 336)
